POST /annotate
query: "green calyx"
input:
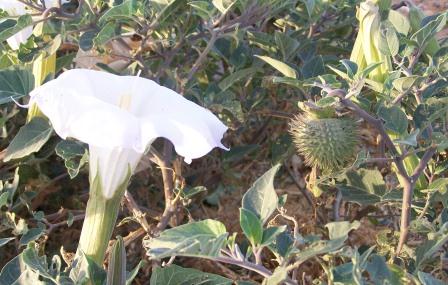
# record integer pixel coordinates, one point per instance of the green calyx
(327, 143)
(100, 219)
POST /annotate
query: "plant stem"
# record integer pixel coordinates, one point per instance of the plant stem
(99, 222)
(408, 191)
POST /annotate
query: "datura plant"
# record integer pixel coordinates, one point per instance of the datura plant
(325, 140)
(345, 100)
(119, 117)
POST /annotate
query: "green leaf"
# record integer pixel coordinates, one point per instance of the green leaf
(105, 34)
(340, 73)
(287, 45)
(388, 41)
(131, 275)
(378, 269)
(53, 46)
(190, 192)
(261, 199)
(264, 41)
(327, 102)
(426, 251)
(203, 8)
(251, 226)
(4, 199)
(75, 155)
(17, 272)
(338, 231)
(283, 245)
(221, 5)
(366, 187)
(175, 275)
(84, 268)
(288, 81)
(309, 4)
(399, 21)
(313, 67)
(4, 241)
(408, 139)
(10, 27)
(234, 77)
(35, 262)
(350, 66)
(343, 274)
(116, 272)
(32, 234)
(30, 138)
(86, 40)
(197, 239)
(427, 32)
(285, 69)
(278, 276)
(395, 119)
(126, 11)
(15, 83)
(369, 68)
(440, 185)
(169, 10)
(428, 279)
(270, 234)
(64, 61)
(240, 282)
(404, 83)
(370, 180)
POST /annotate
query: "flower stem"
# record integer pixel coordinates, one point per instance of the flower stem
(99, 222)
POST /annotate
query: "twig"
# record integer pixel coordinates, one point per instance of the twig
(302, 190)
(51, 226)
(200, 59)
(263, 271)
(136, 212)
(298, 239)
(337, 205)
(133, 236)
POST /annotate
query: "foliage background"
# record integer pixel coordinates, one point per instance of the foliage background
(207, 54)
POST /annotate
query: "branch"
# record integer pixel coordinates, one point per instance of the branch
(136, 212)
(423, 163)
(408, 191)
(200, 59)
(260, 269)
(51, 226)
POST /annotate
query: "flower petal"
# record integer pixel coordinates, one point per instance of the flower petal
(86, 118)
(113, 166)
(107, 110)
(193, 130)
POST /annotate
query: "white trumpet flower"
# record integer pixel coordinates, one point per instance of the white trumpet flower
(16, 8)
(120, 116)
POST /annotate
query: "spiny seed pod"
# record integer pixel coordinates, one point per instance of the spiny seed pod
(327, 143)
